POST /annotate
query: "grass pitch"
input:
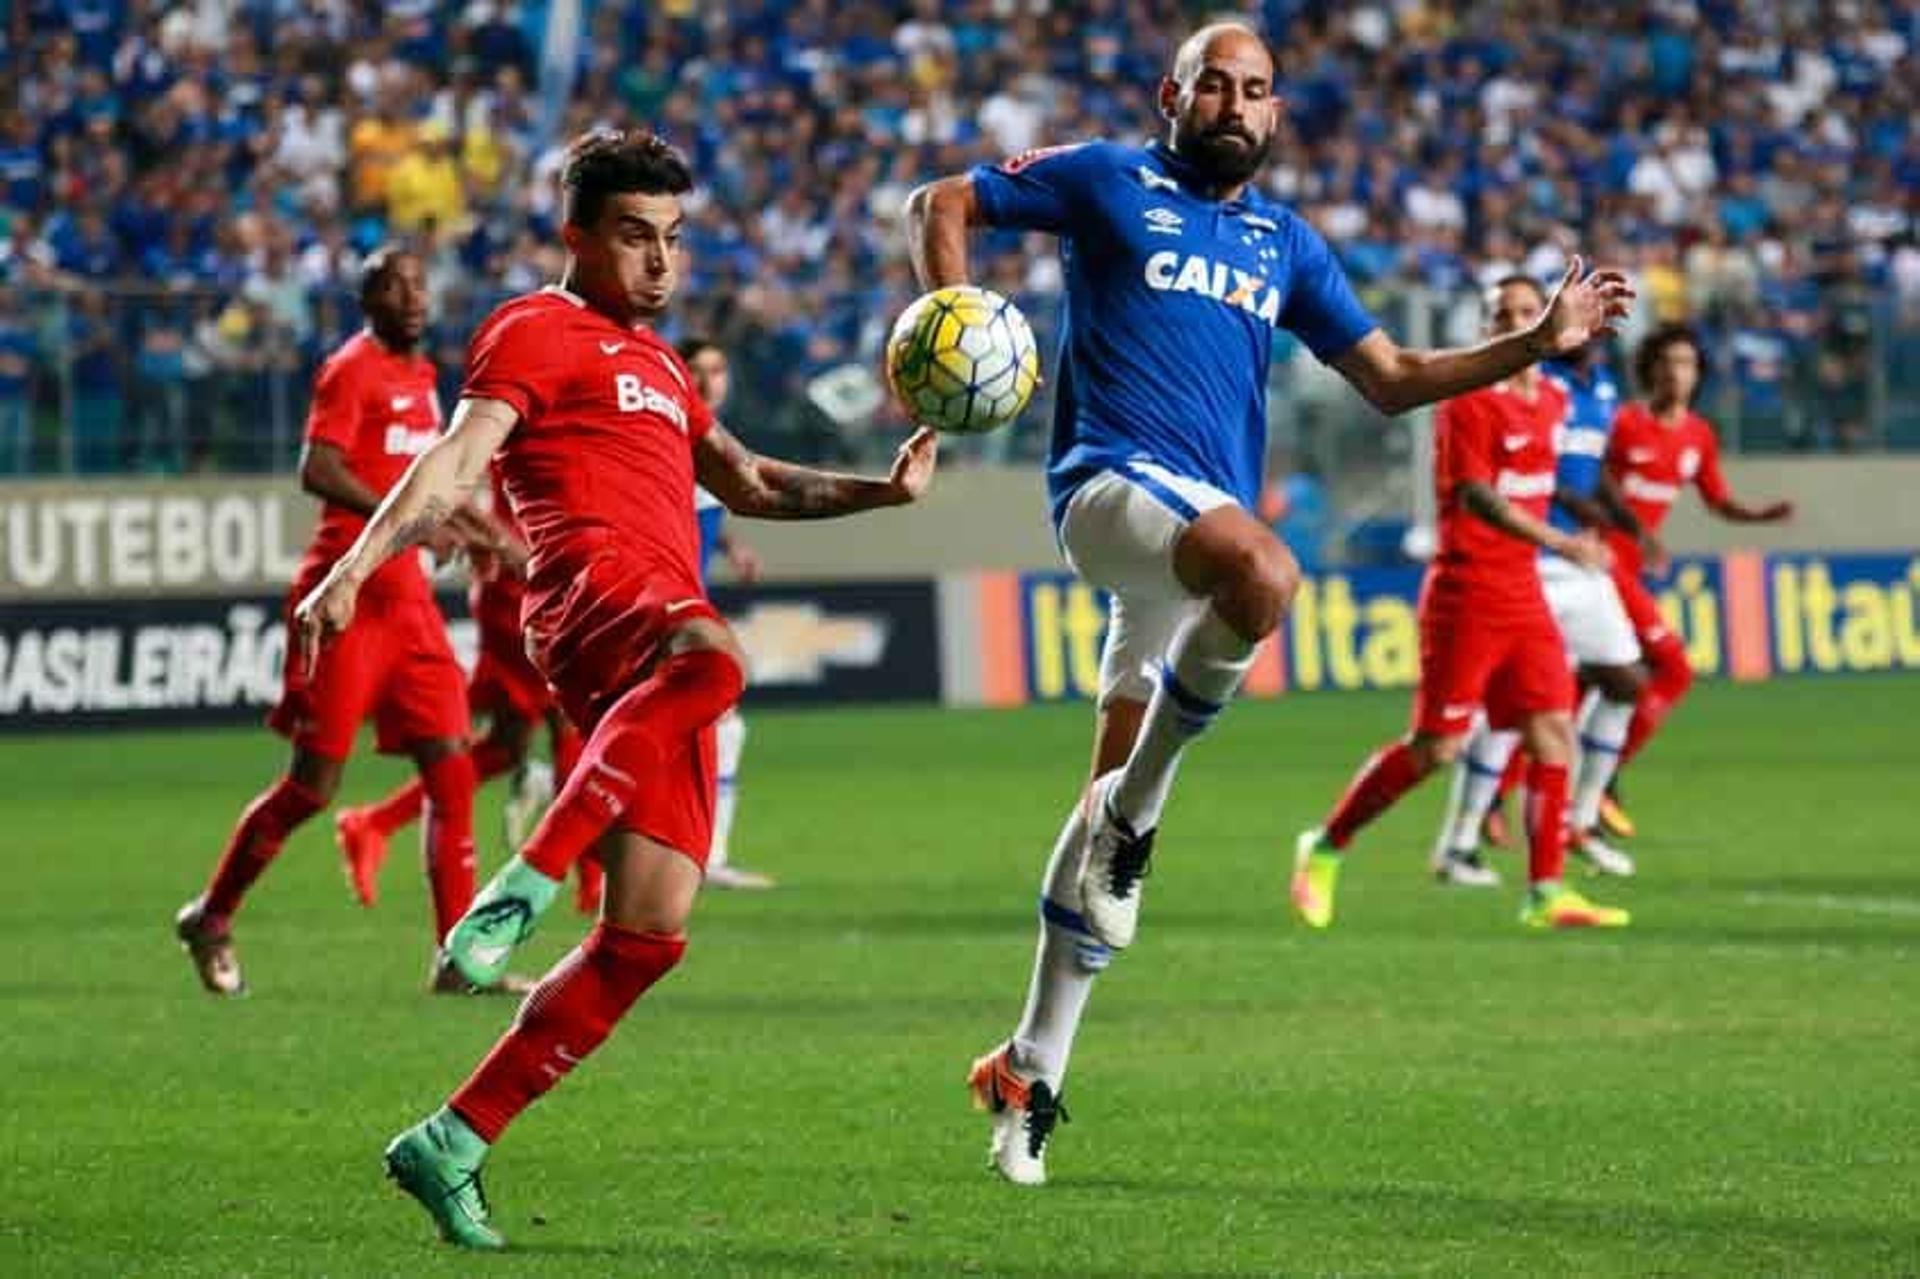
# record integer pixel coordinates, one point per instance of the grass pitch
(1727, 1088)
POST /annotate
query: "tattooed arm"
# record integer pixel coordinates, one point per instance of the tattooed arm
(770, 489)
(440, 482)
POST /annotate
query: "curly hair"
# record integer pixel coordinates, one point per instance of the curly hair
(1655, 344)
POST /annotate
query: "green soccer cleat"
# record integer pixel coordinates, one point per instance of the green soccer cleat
(501, 917)
(1316, 872)
(1554, 905)
(437, 1161)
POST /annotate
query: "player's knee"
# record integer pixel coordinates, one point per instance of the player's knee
(707, 636)
(1621, 683)
(317, 777)
(1431, 753)
(1550, 738)
(1259, 590)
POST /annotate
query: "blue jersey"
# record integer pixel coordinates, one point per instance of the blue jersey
(1173, 300)
(1593, 397)
(709, 515)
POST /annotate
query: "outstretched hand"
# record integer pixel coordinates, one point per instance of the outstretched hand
(324, 613)
(1585, 306)
(913, 465)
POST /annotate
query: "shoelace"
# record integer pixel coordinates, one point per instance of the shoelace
(511, 912)
(1044, 1110)
(472, 1182)
(1132, 858)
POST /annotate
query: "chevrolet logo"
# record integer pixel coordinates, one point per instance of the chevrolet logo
(794, 642)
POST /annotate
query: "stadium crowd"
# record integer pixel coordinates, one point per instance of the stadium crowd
(185, 188)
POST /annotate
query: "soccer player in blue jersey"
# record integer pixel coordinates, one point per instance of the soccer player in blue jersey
(1599, 638)
(1178, 272)
(713, 379)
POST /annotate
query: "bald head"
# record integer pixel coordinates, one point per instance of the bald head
(1219, 100)
(1222, 40)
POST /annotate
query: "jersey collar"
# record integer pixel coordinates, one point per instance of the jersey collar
(1191, 183)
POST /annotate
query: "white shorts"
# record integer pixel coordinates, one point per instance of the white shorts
(1587, 608)
(1118, 532)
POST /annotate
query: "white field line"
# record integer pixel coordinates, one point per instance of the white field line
(1903, 907)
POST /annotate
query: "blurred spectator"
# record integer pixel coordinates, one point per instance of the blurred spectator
(377, 143)
(1758, 168)
(17, 352)
(160, 394)
(424, 185)
(97, 401)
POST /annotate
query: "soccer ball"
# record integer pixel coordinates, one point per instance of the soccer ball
(962, 359)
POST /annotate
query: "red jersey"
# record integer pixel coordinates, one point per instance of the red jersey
(379, 408)
(1652, 462)
(496, 596)
(601, 462)
(1505, 440)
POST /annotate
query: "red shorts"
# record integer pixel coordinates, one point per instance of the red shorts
(505, 681)
(597, 639)
(1512, 661)
(393, 663)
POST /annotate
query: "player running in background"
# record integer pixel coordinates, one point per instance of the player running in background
(1659, 446)
(1177, 274)
(505, 688)
(373, 410)
(1487, 637)
(600, 437)
(1599, 639)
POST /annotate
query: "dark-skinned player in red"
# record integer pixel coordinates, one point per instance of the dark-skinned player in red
(374, 410)
(600, 437)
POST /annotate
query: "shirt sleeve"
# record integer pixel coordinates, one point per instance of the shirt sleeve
(513, 361)
(1321, 308)
(1042, 190)
(334, 415)
(1710, 479)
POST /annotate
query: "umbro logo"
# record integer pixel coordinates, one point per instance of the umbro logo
(1164, 221)
(1156, 181)
(401, 403)
(1514, 442)
(612, 348)
(1642, 455)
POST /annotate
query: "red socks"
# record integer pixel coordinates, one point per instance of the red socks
(397, 811)
(256, 841)
(1667, 683)
(652, 724)
(568, 1015)
(1546, 821)
(1381, 781)
(449, 783)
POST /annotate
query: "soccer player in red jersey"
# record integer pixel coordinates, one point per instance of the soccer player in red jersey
(600, 436)
(1486, 634)
(374, 409)
(505, 688)
(1658, 448)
